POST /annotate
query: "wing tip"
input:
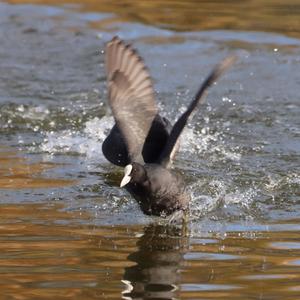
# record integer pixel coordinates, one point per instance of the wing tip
(224, 65)
(117, 41)
(121, 56)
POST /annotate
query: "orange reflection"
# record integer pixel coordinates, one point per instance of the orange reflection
(17, 172)
(191, 15)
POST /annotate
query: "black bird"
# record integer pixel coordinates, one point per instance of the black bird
(141, 140)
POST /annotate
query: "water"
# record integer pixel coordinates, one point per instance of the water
(68, 231)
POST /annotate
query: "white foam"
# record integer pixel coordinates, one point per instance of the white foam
(88, 142)
(273, 183)
(244, 198)
(202, 204)
(33, 113)
(204, 142)
(293, 178)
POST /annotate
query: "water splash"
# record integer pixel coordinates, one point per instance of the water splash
(244, 198)
(88, 142)
(204, 141)
(201, 204)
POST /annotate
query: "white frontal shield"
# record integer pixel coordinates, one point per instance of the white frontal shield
(126, 179)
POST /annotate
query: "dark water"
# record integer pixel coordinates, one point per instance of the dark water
(68, 232)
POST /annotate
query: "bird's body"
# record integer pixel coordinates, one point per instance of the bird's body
(141, 140)
(160, 192)
(115, 150)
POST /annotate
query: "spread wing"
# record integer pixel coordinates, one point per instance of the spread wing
(171, 145)
(131, 95)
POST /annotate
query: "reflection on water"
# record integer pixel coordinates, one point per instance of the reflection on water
(17, 173)
(47, 252)
(256, 15)
(158, 261)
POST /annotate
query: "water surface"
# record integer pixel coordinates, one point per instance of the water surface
(68, 231)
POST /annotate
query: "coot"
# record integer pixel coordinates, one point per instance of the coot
(141, 140)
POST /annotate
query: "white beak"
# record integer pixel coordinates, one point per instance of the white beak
(126, 179)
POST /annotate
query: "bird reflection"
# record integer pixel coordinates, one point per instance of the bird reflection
(159, 259)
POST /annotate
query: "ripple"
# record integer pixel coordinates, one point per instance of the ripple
(286, 245)
(268, 276)
(294, 262)
(210, 256)
(207, 287)
(204, 241)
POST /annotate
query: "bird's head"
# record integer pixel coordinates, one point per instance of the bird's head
(134, 173)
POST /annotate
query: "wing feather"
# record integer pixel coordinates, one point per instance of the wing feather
(172, 142)
(131, 95)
